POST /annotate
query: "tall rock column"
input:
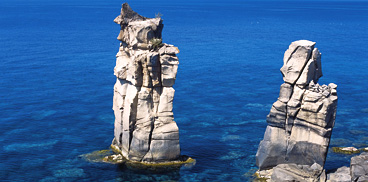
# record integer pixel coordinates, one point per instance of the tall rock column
(301, 120)
(145, 129)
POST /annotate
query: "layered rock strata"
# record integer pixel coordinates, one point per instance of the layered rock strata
(301, 120)
(145, 129)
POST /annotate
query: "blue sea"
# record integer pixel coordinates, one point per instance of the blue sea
(56, 82)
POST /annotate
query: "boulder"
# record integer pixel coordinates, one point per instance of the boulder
(359, 167)
(358, 170)
(342, 174)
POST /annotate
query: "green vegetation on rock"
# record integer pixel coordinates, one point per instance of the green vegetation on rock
(156, 43)
(258, 178)
(185, 161)
(255, 176)
(113, 156)
(97, 156)
(115, 149)
(345, 150)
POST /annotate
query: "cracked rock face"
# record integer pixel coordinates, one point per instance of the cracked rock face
(293, 172)
(301, 120)
(358, 170)
(359, 167)
(146, 69)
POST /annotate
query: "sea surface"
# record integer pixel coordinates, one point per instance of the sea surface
(56, 82)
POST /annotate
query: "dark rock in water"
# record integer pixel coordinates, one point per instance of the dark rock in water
(301, 120)
(145, 130)
(69, 173)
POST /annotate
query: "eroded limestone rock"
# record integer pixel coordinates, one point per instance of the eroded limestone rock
(340, 175)
(301, 173)
(145, 129)
(301, 120)
(359, 167)
(292, 173)
(358, 170)
(346, 150)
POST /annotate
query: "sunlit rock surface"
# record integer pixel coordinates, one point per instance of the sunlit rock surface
(145, 129)
(301, 120)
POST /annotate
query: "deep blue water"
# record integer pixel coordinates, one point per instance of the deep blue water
(56, 81)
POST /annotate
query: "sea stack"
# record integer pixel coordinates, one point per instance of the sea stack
(301, 120)
(145, 130)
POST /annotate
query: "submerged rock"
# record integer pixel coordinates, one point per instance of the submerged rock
(345, 150)
(26, 147)
(301, 120)
(145, 130)
(96, 156)
(114, 156)
(69, 173)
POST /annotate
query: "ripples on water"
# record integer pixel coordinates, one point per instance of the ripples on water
(57, 82)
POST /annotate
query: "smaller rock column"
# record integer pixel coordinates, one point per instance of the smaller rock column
(301, 120)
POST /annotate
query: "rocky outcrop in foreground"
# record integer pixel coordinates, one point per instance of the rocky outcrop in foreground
(358, 170)
(301, 120)
(145, 129)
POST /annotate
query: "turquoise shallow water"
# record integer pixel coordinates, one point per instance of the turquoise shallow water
(56, 80)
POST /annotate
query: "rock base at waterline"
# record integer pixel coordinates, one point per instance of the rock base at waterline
(113, 156)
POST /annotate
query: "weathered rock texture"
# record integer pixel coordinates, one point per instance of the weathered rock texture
(301, 120)
(358, 170)
(293, 172)
(340, 175)
(146, 69)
